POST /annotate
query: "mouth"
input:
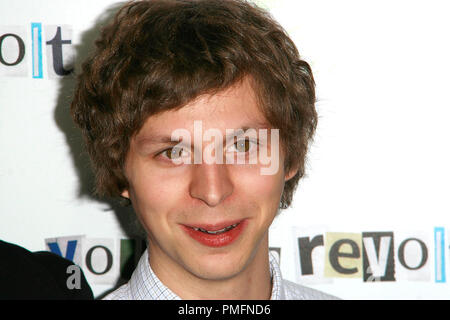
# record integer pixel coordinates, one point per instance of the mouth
(217, 231)
(217, 235)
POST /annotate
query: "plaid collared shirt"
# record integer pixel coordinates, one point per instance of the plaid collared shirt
(145, 285)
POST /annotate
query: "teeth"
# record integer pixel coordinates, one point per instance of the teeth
(217, 231)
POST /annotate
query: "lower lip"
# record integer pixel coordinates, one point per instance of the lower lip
(216, 240)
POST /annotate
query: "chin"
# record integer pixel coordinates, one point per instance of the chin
(218, 267)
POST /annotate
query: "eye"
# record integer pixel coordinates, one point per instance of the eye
(174, 153)
(244, 145)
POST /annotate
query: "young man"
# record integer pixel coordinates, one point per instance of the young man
(199, 112)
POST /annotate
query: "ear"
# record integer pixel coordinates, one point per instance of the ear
(125, 194)
(290, 174)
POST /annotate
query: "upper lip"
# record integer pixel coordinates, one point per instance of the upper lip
(213, 226)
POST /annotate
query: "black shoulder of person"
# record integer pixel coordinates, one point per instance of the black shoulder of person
(42, 275)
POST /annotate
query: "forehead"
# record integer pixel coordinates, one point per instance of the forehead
(233, 108)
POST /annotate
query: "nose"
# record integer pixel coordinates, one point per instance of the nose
(210, 183)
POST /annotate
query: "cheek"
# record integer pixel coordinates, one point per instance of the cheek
(156, 191)
(264, 189)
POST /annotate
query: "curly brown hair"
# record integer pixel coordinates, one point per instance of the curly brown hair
(159, 55)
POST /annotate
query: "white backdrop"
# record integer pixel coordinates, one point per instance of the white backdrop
(380, 161)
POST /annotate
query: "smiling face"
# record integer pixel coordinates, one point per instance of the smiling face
(207, 219)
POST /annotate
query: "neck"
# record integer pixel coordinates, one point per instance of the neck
(251, 283)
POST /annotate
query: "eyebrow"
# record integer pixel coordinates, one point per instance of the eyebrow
(165, 139)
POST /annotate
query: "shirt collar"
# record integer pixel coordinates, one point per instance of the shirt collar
(145, 285)
(277, 280)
